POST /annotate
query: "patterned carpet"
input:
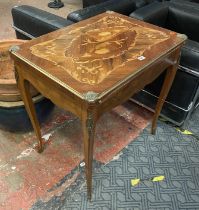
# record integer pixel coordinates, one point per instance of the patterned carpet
(169, 153)
(27, 176)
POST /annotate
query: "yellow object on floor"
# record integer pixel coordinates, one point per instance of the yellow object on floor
(158, 178)
(186, 132)
(135, 182)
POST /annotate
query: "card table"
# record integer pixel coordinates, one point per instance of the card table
(93, 66)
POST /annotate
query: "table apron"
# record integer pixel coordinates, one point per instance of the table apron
(50, 89)
(135, 84)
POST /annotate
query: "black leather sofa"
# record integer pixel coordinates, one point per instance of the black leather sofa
(183, 17)
(30, 22)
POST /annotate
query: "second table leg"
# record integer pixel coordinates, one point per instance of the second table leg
(170, 75)
(88, 126)
(24, 87)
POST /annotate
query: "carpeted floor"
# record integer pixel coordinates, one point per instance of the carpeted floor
(27, 176)
(168, 153)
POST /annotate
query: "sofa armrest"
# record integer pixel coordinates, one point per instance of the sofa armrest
(85, 13)
(124, 7)
(190, 56)
(154, 13)
(33, 22)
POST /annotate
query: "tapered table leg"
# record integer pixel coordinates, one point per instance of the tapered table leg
(170, 75)
(24, 87)
(88, 126)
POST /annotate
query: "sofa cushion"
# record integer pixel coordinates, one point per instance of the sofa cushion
(190, 56)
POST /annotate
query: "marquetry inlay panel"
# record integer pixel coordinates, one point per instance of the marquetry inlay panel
(90, 53)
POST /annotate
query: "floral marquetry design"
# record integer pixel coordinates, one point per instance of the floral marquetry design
(90, 53)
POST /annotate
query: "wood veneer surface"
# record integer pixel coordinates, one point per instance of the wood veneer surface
(98, 53)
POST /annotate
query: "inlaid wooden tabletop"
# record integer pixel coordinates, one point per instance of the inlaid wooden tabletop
(99, 53)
